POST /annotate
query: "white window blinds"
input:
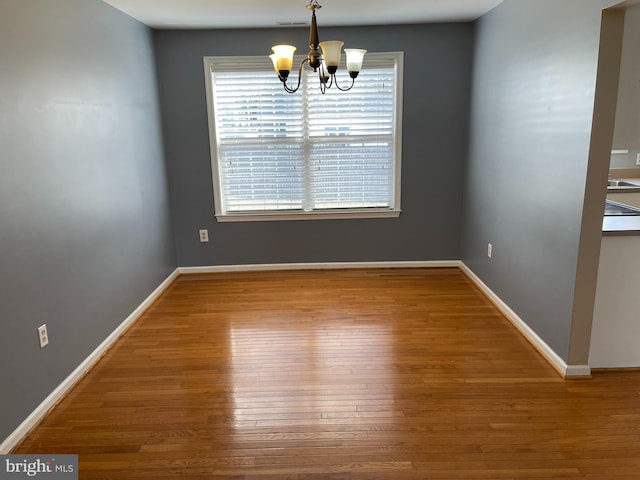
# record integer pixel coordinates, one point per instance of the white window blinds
(305, 152)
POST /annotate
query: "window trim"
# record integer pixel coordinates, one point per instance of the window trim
(248, 63)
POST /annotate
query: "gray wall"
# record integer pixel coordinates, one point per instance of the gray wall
(436, 112)
(85, 231)
(532, 107)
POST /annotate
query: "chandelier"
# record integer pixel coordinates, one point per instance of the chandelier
(326, 64)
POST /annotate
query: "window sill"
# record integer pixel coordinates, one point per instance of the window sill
(324, 215)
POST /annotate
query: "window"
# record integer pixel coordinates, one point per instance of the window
(281, 156)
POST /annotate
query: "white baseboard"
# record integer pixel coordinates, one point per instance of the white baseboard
(577, 371)
(318, 266)
(545, 350)
(54, 397)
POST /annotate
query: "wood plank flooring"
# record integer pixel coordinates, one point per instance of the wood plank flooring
(338, 375)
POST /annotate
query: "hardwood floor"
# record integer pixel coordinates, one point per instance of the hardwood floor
(338, 375)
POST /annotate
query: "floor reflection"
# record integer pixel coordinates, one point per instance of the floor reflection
(312, 373)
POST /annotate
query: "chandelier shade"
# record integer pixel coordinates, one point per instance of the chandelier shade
(283, 57)
(331, 53)
(355, 58)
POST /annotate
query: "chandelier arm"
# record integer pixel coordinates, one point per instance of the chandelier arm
(287, 88)
(323, 85)
(353, 81)
(325, 82)
(290, 90)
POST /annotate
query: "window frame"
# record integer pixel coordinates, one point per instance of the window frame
(250, 63)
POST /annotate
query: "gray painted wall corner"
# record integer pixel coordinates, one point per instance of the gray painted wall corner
(532, 108)
(435, 129)
(86, 235)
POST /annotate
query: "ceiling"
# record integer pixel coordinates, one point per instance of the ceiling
(271, 13)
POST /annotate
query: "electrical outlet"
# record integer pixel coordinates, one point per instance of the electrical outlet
(204, 235)
(638, 159)
(489, 250)
(43, 336)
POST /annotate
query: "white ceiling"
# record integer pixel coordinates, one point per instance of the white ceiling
(270, 13)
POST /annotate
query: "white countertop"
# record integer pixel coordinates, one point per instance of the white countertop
(621, 225)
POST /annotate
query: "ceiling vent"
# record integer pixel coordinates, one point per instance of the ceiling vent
(294, 23)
